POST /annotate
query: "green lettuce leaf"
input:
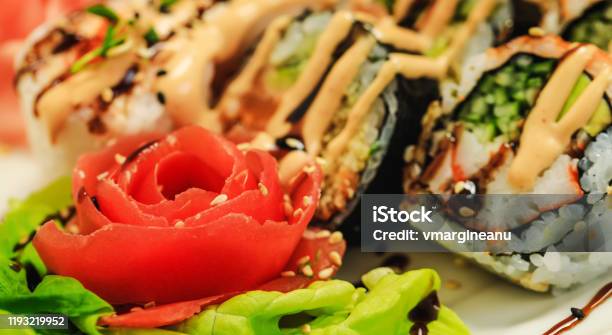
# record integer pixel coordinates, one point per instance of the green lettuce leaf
(24, 217)
(330, 308)
(56, 294)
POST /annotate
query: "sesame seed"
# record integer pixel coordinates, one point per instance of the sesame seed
(350, 192)
(161, 72)
(294, 143)
(321, 161)
(537, 31)
(263, 189)
(149, 304)
(243, 146)
(198, 216)
(102, 175)
(306, 329)
(81, 174)
(288, 208)
(323, 234)
(303, 260)
(326, 273)
(307, 200)
(577, 313)
(466, 212)
(287, 274)
(336, 237)
(221, 198)
(171, 139)
(310, 169)
(107, 94)
(335, 257)
(111, 142)
(309, 234)
(179, 224)
(161, 98)
(307, 271)
(120, 159)
(298, 212)
(135, 309)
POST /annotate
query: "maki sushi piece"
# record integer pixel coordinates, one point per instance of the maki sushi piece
(440, 24)
(588, 22)
(129, 67)
(91, 76)
(529, 117)
(320, 85)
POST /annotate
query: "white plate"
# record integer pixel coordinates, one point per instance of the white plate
(486, 303)
(489, 305)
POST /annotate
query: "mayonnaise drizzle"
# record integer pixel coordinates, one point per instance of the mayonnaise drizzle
(337, 29)
(544, 138)
(438, 17)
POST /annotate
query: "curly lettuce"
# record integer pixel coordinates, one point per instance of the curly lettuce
(25, 287)
(331, 307)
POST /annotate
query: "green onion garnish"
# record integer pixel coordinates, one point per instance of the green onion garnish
(110, 41)
(104, 12)
(151, 37)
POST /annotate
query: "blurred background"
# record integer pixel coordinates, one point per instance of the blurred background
(18, 18)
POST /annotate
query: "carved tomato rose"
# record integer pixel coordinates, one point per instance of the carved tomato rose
(181, 217)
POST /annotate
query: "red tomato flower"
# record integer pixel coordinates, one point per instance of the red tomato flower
(179, 218)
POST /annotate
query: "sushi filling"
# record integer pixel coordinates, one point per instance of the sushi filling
(502, 98)
(593, 27)
(342, 183)
(281, 70)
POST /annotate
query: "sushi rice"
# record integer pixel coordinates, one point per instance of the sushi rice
(535, 263)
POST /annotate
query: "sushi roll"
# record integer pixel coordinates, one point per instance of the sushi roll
(588, 22)
(439, 23)
(529, 117)
(320, 85)
(129, 67)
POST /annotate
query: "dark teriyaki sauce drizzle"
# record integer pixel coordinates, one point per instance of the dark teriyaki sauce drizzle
(579, 314)
(425, 312)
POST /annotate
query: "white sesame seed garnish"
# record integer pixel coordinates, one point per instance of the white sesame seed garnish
(537, 31)
(120, 159)
(350, 192)
(309, 234)
(303, 260)
(307, 270)
(287, 274)
(149, 304)
(244, 146)
(310, 169)
(263, 189)
(298, 212)
(179, 224)
(107, 94)
(294, 143)
(336, 237)
(221, 198)
(102, 175)
(198, 216)
(136, 309)
(335, 257)
(323, 233)
(326, 273)
(171, 139)
(466, 212)
(111, 142)
(459, 187)
(288, 208)
(306, 329)
(307, 200)
(81, 174)
(321, 161)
